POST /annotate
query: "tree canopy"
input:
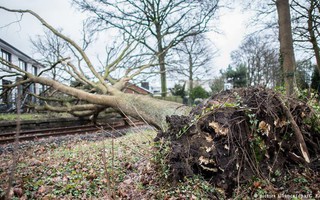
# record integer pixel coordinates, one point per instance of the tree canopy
(163, 24)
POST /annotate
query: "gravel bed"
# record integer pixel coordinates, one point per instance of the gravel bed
(57, 141)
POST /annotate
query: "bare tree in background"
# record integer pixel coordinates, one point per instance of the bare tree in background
(51, 49)
(217, 84)
(193, 59)
(168, 22)
(306, 22)
(261, 60)
(304, 28)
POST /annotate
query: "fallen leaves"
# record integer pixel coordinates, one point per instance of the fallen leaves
(35, 162)
(42, 189)
(264, 127)
(219, 129)
(279, 123)
(18, 192)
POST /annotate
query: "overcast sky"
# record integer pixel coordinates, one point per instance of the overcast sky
(60, 14)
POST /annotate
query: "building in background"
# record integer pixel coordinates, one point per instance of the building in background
(134, 89)
(8, 97)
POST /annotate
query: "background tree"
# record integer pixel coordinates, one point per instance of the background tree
(304, 74)
(49, 49)
(315, 80)
(304, 19)
(260, 59)
(217, 84)
(237, 76)
(267, 16)
(193, 59)
(198, 92)
(167, 23)
(179, 90)
(286, 45)
(306, 23)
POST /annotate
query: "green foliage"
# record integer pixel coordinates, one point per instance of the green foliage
(191, 188)
(13, 117)
(315, 80)
(281, 89)
(198, 92)
(314, 120)
(257, 144)
(238, 76)
(300, 180)
(303, 74)
(179, 90)
(159, 158)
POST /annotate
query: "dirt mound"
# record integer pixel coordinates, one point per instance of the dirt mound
(247, 137)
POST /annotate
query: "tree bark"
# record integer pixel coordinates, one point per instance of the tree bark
(163, 74)
(148, 109)
(190, 73)
(286, 45)
(313, 38)
(161, 58)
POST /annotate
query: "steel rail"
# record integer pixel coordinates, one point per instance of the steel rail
(49, 132)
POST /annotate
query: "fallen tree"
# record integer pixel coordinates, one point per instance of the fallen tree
(105, 91)
(230, 139)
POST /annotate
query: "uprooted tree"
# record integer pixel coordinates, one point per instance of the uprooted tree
(104, 90)
(231, 139)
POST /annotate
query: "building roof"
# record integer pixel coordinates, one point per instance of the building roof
(13, 50)
(132, 88)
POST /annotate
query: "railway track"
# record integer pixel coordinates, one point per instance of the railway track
(71, 130)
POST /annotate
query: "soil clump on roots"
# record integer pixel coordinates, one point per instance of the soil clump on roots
(243, 141)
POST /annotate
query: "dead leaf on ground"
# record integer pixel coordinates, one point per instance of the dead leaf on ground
(42, 189)
(264, 127)
(219, 129)
(18, 192)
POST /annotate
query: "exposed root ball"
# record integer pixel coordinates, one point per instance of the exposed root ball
(243, 135)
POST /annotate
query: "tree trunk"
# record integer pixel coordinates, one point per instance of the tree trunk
(163, 75)
(161, 59)
(148, 109)
(190, 73)
(313, 38)
(286, 45)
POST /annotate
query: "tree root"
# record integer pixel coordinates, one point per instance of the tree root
(244, 135)
(296, 129)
